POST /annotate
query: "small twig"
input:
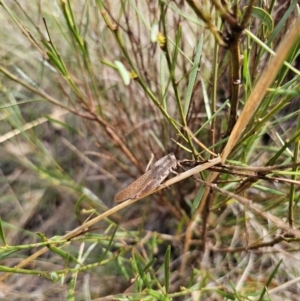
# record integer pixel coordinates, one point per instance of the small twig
(255, 246)
(198, 142)
(247, 202)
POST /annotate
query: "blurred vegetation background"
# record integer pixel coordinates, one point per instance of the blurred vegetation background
(90, 91)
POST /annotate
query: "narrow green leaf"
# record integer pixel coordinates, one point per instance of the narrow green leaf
(109, 244)
(268, 190)
(71, 289)
(246, 75)
(154, 244)
(138, 284)
(2, 235)
(213, 116)
(193, 75)
(163, 85)
(121, 263)
(282, 21)
(273, 274)
(263, 16)
(290, 92)
(69, 16)
(78, 207)
(291, 140)
(141, 272)
(157, 295)
(7, 254)
(123, 72)
(287, 172)
(226, 294)
(198, 198)
(63, 254)
(56, 62)
(154, 31)
(206, 101)
(176, 50)
(149, 264)
(56, 250)
(167, 269)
